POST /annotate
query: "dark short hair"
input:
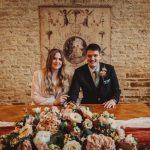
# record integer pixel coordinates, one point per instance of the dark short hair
(93, 47)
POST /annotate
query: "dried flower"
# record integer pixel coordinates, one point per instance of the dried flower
(95, 142)
(67, 129)
(49, 122)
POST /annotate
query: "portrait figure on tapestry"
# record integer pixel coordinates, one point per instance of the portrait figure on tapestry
(74, 49)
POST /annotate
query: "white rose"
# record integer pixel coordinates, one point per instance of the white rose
(86, 111)
(75, 117)
(106, 114)
(36, 110)
(83, 108)
(42, 137)
(88, 124)
(110, 121)
(72, 145)
(46, 109)
(130, 139)
(88, 114)
(121, 133)
(114, 125)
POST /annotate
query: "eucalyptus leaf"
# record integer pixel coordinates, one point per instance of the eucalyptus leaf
(57, 139)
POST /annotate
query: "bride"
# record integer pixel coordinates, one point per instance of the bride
(50, 85)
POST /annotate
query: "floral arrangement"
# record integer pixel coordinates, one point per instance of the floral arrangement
(69, 128)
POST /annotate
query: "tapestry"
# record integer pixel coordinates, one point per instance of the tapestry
(71, 29)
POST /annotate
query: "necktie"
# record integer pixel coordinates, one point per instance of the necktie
(96, 78)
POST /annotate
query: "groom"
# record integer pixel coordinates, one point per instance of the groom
(98, 81)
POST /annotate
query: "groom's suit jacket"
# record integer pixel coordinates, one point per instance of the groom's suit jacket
(107, 89)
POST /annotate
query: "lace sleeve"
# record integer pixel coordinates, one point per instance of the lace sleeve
(36, 94)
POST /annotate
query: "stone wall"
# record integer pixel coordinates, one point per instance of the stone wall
(20, 48)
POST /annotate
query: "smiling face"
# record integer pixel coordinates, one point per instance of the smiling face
(56, 62)
(93, 58)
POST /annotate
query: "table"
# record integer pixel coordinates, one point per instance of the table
(122, 111)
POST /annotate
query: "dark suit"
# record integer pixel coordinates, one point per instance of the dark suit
(106, 90)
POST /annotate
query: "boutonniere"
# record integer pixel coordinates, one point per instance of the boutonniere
(103, 72)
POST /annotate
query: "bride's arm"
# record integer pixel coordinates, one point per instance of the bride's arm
(36, 91)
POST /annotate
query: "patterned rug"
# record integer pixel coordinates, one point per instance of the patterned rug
(142, 134)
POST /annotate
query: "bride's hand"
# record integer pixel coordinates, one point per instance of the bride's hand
(61, 100)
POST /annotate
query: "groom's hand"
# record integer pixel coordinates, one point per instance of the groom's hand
(110, 104)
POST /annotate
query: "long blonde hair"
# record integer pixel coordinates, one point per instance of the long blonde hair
(48, 86)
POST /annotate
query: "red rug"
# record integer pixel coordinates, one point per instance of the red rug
(6, 130)
(142, 135)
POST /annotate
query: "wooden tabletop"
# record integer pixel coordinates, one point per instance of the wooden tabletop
(122, 111)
